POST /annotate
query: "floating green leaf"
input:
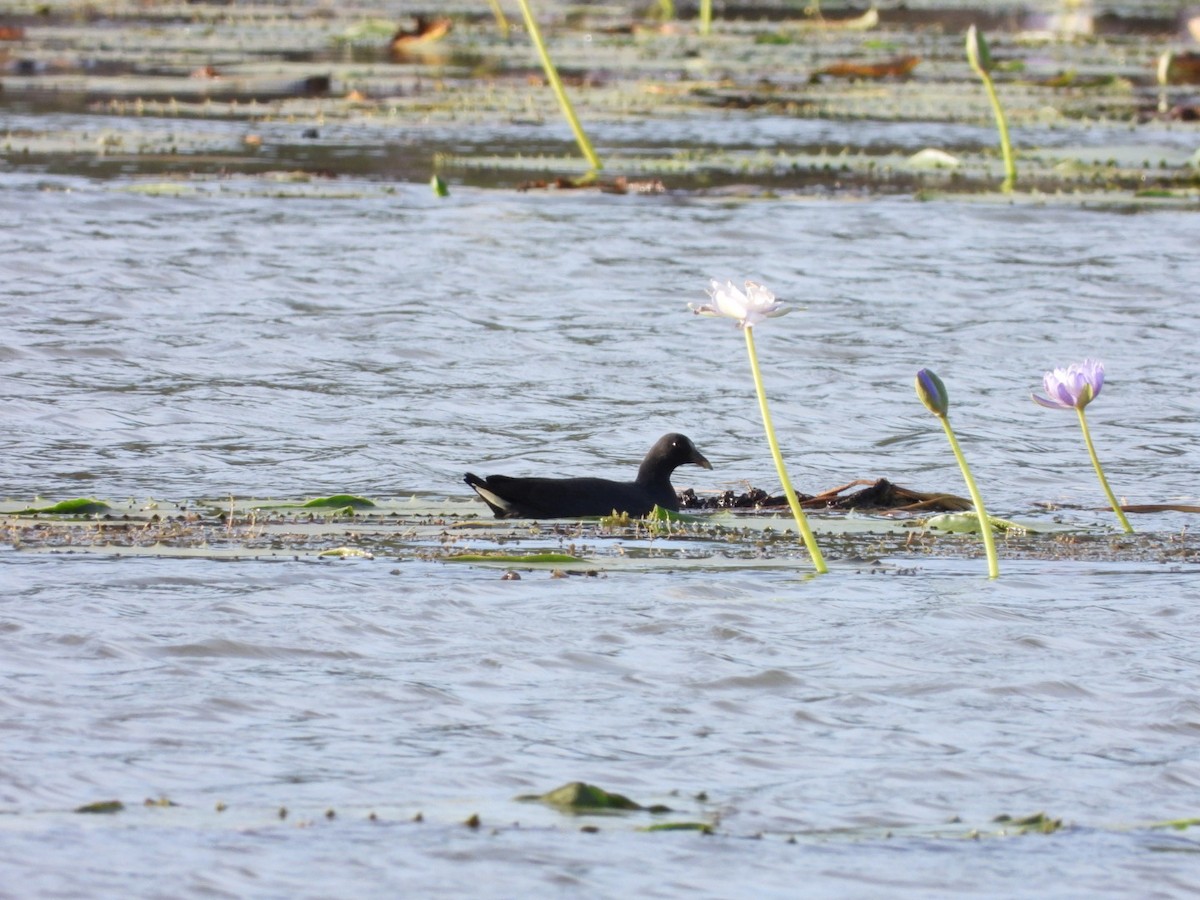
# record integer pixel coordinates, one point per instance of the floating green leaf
(520, 558)
(1038, 823)
(968, 523)
(1177, 824)
(346, 553)
(670, 515)
(106, 807)
(161, 189)
(578, 796)
(339, 500)
(81, 506)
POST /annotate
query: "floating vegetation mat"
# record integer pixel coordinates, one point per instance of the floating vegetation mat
(454, 532)
(577, 806)
(775, 99)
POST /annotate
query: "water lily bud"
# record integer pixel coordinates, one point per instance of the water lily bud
(978, 54)
(932, 393)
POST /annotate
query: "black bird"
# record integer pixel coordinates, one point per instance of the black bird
(569, 498)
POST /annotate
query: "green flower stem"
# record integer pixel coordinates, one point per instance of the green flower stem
(985, 523)
(793, 501)
(1087, 438)
(501, 19)
(705, 16)
(1010, 167)
(556, 83)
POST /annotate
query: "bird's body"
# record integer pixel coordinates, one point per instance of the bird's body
(568, 498)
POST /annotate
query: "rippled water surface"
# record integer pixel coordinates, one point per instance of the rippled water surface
(861, 725)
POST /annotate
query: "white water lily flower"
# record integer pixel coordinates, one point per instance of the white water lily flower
(748, 308)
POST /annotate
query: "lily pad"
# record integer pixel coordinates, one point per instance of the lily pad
(103, 807)
(578, 796)
(340, 501)
(1177, 824)
(81, 506)
(968, 523)
(346, 553)
(1038, 823)
(516, 558)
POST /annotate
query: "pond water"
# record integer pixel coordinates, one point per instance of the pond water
(847, 733)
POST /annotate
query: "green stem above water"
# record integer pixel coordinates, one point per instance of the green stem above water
(979, 57)
(1010, 166)
(501, 18)
(985, 523)
(556, 84)
(1087, 439)
(793, 501)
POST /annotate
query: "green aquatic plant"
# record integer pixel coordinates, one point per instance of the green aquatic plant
(498, 556)
(980, 59)
(755, 305)
(501, 19)
(556, 85)
(579, 796)
(1074, 388)
(702, 827)
(102, 807)
(933, 394)
(964, 523)
(340, 501)
(80, 506)
(1038, 823)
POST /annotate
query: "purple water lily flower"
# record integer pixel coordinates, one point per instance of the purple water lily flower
(1073, 387)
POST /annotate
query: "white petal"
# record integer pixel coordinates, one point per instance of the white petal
(758, 295)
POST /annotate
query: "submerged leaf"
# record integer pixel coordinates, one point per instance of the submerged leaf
(514, 558)
(702, 827)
